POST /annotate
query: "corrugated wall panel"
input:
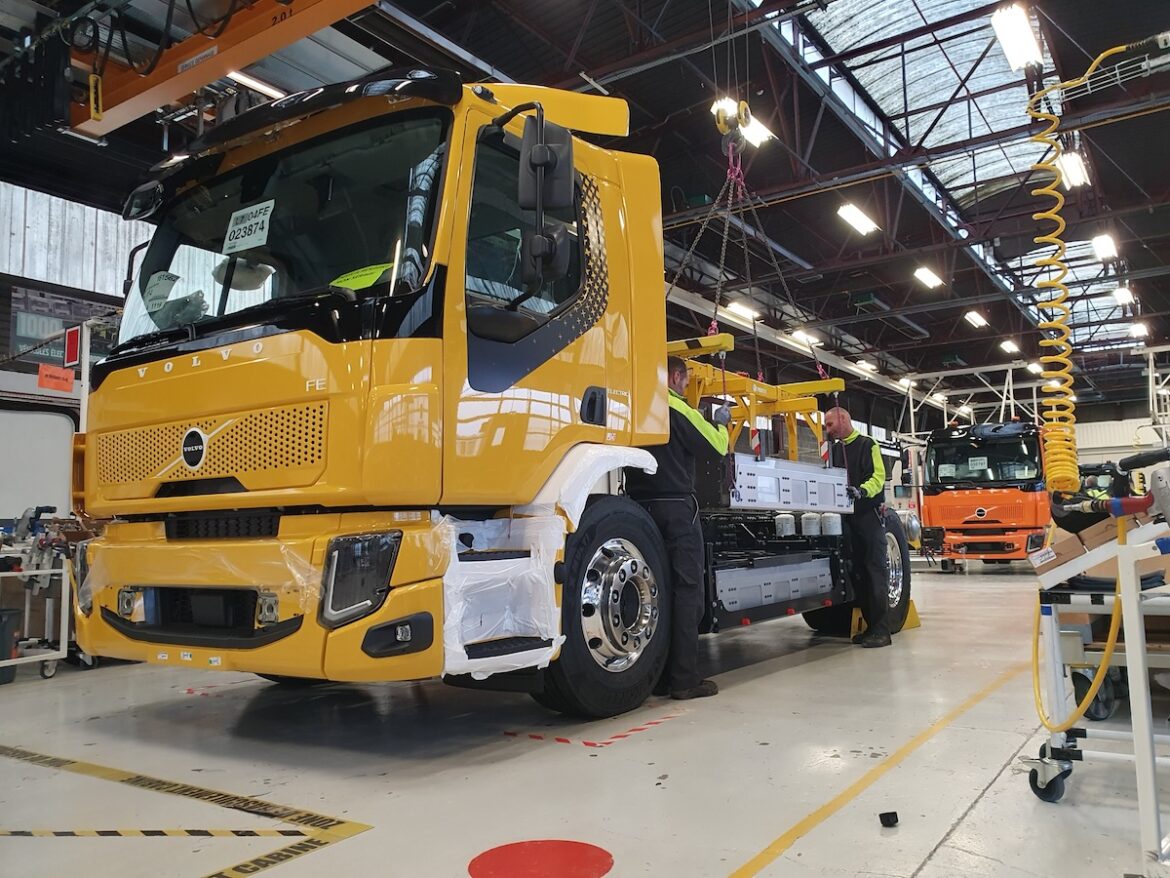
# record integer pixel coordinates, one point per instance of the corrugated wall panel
(50, 239)
(1100, 441)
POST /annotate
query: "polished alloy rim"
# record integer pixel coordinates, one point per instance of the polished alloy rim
(894, 551)
(619, 605)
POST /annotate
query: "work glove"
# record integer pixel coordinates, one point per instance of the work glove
(722, 416)
(853, 493)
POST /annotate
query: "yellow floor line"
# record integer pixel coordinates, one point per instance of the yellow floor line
(316, 830)
(782, 843)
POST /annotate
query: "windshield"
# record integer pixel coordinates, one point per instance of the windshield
(354, 208)
(983, 462)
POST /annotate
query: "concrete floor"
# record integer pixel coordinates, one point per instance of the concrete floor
(783, 774)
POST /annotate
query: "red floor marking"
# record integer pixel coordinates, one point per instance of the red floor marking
(612, 739)
(541, 859)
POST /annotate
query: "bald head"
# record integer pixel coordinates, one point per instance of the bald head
(838, 423)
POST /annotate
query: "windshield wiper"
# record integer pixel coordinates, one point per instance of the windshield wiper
(192, 331)
(152, 338)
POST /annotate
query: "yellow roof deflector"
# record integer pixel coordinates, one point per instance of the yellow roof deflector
(588, 114)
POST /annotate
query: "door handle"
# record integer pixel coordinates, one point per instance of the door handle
(593, 406)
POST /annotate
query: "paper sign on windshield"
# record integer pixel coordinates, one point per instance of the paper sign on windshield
(946, 470)
(976, 463)
(158, 290)
(248, 228)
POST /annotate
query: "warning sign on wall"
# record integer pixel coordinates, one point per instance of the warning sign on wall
(55, 378)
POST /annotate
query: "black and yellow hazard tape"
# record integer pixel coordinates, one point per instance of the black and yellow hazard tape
(319, 830)
(153, 833)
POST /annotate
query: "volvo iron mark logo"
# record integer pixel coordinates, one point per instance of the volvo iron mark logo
(980, 512)
(194, 448)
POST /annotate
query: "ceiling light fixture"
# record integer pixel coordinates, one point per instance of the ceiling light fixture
(928, 278)
(1013, 29)
(1010, 346)
(867, 365)
(1123, 295)
(965, 409)
(257, 85)
(1035, 368)
(806, 338)
(975, 319)
(906, 382)
(1104, 247)
(1139, 330)
(853, 215)
(1073, 172)
(939, 397)
(743, 310)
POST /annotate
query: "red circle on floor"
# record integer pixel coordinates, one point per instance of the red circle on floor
(547, 858)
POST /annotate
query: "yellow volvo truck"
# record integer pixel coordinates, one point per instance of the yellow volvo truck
(390, 349)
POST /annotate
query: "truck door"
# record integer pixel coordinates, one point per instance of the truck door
(525, 380)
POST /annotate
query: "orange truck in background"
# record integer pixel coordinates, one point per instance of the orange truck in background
(983, 493)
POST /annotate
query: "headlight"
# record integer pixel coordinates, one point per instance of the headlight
(1035, 542)
(357, 576)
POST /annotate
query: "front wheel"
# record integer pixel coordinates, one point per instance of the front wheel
(615, 612)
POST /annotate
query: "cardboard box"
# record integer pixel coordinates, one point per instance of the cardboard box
(1099, 534)
(1064, 548)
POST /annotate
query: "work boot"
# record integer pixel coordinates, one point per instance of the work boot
(705, 689)
(875, 640)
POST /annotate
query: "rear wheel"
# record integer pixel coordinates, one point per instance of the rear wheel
(898, 552)
(838, 621)
(615, 613)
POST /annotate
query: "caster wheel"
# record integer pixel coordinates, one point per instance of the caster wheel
(1104, 705)
(1053, 791)
(48, 669)
(88, 662)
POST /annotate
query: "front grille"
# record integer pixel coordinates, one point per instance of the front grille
(223, 526)
(980, 531)
(226, 609)
(287, 437)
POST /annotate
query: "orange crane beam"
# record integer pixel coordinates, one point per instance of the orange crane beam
(254, 32)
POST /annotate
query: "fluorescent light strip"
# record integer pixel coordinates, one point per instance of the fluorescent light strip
(928, 278)
(1013, 29)
(1104, 247)
(975, 319)
(853, 215)
(257, 85)
(1073, 172)
(743, 310)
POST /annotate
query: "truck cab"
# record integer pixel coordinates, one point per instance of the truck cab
(983, 494)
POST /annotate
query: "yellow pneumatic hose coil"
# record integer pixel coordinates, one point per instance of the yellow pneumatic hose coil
(1059, 433)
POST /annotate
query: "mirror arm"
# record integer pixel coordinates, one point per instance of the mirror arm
(129, 280)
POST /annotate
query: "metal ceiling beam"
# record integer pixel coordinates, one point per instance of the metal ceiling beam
(876, 170)
(906, 36)
(439, 43)
(701, 305)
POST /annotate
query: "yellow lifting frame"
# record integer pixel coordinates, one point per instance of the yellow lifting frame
(752, 398)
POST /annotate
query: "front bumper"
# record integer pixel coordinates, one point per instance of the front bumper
(212, 589)
(1011, 546)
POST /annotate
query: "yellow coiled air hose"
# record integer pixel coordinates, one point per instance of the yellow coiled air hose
(1059, 435)
(1059, 432)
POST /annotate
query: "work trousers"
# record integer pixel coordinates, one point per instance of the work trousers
(871, 568)
(677, 519)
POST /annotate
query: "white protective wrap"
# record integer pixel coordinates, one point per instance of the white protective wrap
(571, 483)
(488, 600)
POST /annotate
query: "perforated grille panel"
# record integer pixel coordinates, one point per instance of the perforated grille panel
(287, 437)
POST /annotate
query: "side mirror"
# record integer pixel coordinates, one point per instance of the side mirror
(543, 258)
(143, 201)
(550, 150)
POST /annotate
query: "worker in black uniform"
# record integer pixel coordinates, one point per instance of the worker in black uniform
(669, 496)
(862, 460)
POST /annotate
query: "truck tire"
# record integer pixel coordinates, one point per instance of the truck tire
(615, 613)
(899, 587)
(838, 621)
